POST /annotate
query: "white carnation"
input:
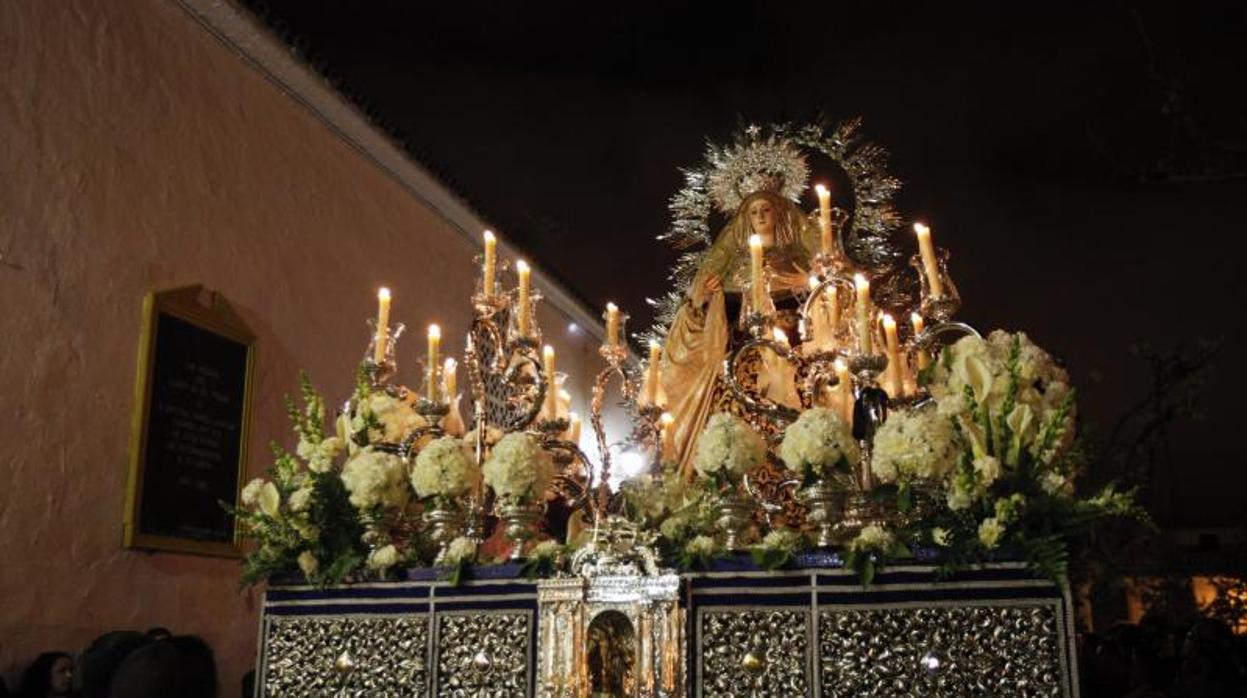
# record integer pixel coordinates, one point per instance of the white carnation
(817, 442)
(915, 444)
(375, 478)
(460, 550)
(990, 532)
(251, 493)
(444, 468)
(300, 499)
(518, 469)
(728, 448)
(308, 563)
(383, 558)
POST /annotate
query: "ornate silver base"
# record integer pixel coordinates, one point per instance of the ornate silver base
(824, 503)
(521, 522)
(735, 519)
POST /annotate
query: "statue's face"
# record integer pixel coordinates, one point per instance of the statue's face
(761, 216)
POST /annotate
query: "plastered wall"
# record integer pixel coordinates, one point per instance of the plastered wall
(137, 153)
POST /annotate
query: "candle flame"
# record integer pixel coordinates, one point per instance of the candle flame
(449, 365)
(822, 190)
(814, 282)
(860, 281)
(489, 236)
(840, 366)
(435, 332)
(653, 344)
(547, 351)
(666, 420)
(521, 266)
(916, 320)
(612, 308)
(755, 240)
(779, 335)
(383, 294)
(921, 229)
(888, 321)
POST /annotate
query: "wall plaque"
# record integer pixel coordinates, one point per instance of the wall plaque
(192, 407)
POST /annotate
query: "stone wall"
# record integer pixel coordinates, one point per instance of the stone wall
(140, 152)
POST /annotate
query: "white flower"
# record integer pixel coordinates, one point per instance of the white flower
(701, 546)
(460, 550)
(396, 417)
(300, 499)
(375, 478)
(873, 537)
(319, 456)
(990, 532)
(988, 469)
(940, 536)
(545, 550)
(444, 468)
(306, 531)
(251, 493)
(518, 468)
(308, 563)
(1054, 483)
(780, 539)
(915, 444)
(729, 447)
(383, 558)
(1008, 508)
(270, 500)
(818, 441)
(959, 498)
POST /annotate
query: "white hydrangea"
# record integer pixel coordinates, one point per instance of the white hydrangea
(701, 546)
(781, 539)
(990, 531)
(383, 558)
(444, 468)
(545, 550)
(873, 537)
(308, 563)
(817, 442)
(915, 444)
(460, 550)
(728, 448)
(518, 469)
(375, 478)
(397, 417)
(251, 493)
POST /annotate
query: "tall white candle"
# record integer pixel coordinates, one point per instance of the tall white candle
(865, 343)
(929, 263)
(916, 320)
(523, 318)
(450, 381)
(487, 274)
(612, 324)
(382, 339)
(824, 218)
(894, 355)
(757, 293)
(435, 344)
(551, 407)
(573, 428)
(651, 373)
(666, 437)
(845, 390)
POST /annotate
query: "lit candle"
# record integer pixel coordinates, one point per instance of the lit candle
(552, 393)
(929, 262)
(894, 355)
(383, 325)
(780, 337)
(666, 437)
(864, 343)
(573, 428)
(491, 247)
(523, 319)
(651, 373)
(450, 381)
(755, 272)
(612, 324)
(845, 389)
(435, 344)
(824, 217)
(916, 320)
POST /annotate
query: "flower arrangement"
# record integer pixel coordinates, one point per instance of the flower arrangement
(379, 416)
(727, 450)
(444, 470)
(376, 480)
(818, 444)
(518, 469)
(777, 548)
(919, 444)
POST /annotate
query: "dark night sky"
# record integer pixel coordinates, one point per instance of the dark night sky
(1087, 167)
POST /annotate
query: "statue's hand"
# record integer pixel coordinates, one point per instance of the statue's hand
(713, 284)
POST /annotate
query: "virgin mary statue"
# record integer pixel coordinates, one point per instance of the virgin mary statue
(698, 340)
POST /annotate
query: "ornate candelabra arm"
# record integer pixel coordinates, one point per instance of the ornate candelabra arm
(523, 353)
(926, 340)
(760, 405)
(615, 356)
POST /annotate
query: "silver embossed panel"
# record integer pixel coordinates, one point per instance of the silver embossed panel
(483, 654)
(974, 650)
(314, 656)
(754, 652)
